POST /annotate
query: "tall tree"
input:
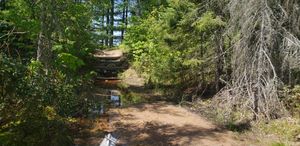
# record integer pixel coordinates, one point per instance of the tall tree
(107, 26)
(255, 78)
(124, 18)
(111, 25)
(47, 23)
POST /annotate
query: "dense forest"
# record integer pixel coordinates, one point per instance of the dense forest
(247, 52)
(241, 55)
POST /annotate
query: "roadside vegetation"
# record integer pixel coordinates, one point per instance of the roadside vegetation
(44, 78)
(237, 62)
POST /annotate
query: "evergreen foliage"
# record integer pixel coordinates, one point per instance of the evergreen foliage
(245, 51)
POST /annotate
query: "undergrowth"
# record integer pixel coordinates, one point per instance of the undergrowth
(277, 132)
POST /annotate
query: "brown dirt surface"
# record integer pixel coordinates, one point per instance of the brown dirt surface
(108, 54)
(90, 132)
(165, 124)
(153, 124)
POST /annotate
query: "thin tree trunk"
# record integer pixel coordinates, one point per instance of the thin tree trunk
(201, 56)
(139, 9)
(44, 53)
(123, 19)
(107, 28)
(126, 14)
(111, 40)
(103, 26)
(218, 61)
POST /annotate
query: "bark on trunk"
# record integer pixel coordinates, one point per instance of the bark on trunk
(44, 53)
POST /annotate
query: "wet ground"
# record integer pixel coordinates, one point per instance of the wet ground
(151, 123)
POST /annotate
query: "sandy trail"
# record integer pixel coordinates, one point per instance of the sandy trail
(164, 124)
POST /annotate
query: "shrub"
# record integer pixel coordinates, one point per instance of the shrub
(292, 100)
(34, 103)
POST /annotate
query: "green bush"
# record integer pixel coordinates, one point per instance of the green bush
(131, 98)
(34, 103)
(69, 61)
(41, 128)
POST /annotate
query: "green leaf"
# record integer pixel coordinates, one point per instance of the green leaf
(70, 61)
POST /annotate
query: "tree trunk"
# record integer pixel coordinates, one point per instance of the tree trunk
(126, 13)
(107, 28)
(103, 26)
(218, 61)
(139, 9)
(111, 39)
(44, 53)
(123, 18)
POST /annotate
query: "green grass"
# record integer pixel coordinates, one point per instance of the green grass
(285, 129)
(278, 144)
(131, 98)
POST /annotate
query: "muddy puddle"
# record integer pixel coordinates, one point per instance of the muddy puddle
(91, 130)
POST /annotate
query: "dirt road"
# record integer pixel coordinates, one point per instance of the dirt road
(164, 124)
(156, 124)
